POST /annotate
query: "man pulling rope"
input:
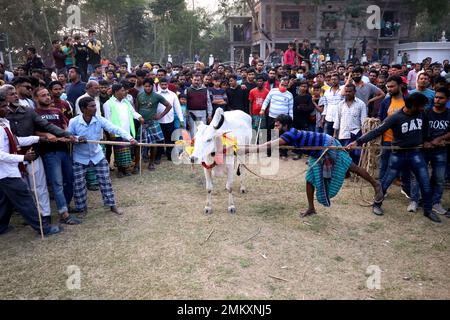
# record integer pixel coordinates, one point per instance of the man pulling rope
(326, 175)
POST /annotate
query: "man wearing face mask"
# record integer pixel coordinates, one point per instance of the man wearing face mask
(167, 122)
(364, 90)
(410, 131)
(281, 102)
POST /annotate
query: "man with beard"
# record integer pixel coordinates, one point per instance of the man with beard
(24, 90)
(410, 131)
(272, 81)
(56, 157)
(14, 192)
(327, 169)
(26, 122)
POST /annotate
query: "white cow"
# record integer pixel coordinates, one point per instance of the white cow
(208, 150)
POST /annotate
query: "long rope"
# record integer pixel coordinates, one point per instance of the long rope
(122, 143)
(285, 179)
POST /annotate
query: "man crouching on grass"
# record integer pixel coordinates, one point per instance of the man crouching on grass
(88, 126)
(326, 171)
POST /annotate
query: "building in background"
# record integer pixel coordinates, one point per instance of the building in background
(337, 26)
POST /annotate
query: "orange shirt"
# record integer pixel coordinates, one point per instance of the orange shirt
(396, 104)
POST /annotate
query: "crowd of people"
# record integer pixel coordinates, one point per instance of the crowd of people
(45, 110)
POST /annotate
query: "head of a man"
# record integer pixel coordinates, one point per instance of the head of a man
(56, 89)
(92, 88)
(349, 92)
(393, 85)
(74, 74)
(164, 84)
(283, 123)
(148, 85)
(88, 107)
(10, 94)
(42, 97)
(441, 98)
(119, 91)
(423, 80)
(415, 103)
(23, 87)
(197, 80)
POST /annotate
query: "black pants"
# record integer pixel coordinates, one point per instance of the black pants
(270, 124)
(167, 129)
(14, 192)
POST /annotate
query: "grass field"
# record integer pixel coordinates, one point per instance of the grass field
(164, 247)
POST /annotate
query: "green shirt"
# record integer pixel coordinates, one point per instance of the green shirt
(148, 105)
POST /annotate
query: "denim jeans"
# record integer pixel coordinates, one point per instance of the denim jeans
(14, 193)
(414, 161)
(58, 167)
(438, 161)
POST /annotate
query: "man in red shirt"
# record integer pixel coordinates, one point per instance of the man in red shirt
(290, 56)
(256, 98)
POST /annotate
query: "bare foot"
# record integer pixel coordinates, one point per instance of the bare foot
(309, 212)
(115, 210)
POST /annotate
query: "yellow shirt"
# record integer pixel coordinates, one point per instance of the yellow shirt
(396, 104)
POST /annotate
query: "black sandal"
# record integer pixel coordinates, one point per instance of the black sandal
(70, 220)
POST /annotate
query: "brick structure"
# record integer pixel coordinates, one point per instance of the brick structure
(284, 21)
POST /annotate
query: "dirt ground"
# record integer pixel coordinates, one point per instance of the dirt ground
(164, 247)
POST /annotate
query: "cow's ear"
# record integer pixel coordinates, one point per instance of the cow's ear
(219, 118)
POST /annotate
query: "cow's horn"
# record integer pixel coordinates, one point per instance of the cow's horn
(220, 124)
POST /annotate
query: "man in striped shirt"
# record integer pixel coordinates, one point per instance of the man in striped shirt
(281, 102)
(327, 169)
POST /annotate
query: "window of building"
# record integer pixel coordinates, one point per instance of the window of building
(329, 20)
(290, 20)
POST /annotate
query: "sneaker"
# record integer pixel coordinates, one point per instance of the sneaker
(297, 157)
(447, 214)
(437, 208)
(405, 194)
(412, 206)
(120, 174)
(432, 216)
(377, 210)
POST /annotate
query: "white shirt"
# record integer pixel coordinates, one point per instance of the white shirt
(9, 163)
(123, 111)
(28, 103)
(98, 112)
(172, 98)
(350, 119)
(332, 100)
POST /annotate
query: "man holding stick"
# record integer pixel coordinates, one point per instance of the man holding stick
(14, 192)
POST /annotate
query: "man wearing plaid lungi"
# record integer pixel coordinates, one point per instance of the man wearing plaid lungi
(147, 103)
(88, 126)
(121, 113)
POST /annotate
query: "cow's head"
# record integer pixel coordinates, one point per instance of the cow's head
(208, 139)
